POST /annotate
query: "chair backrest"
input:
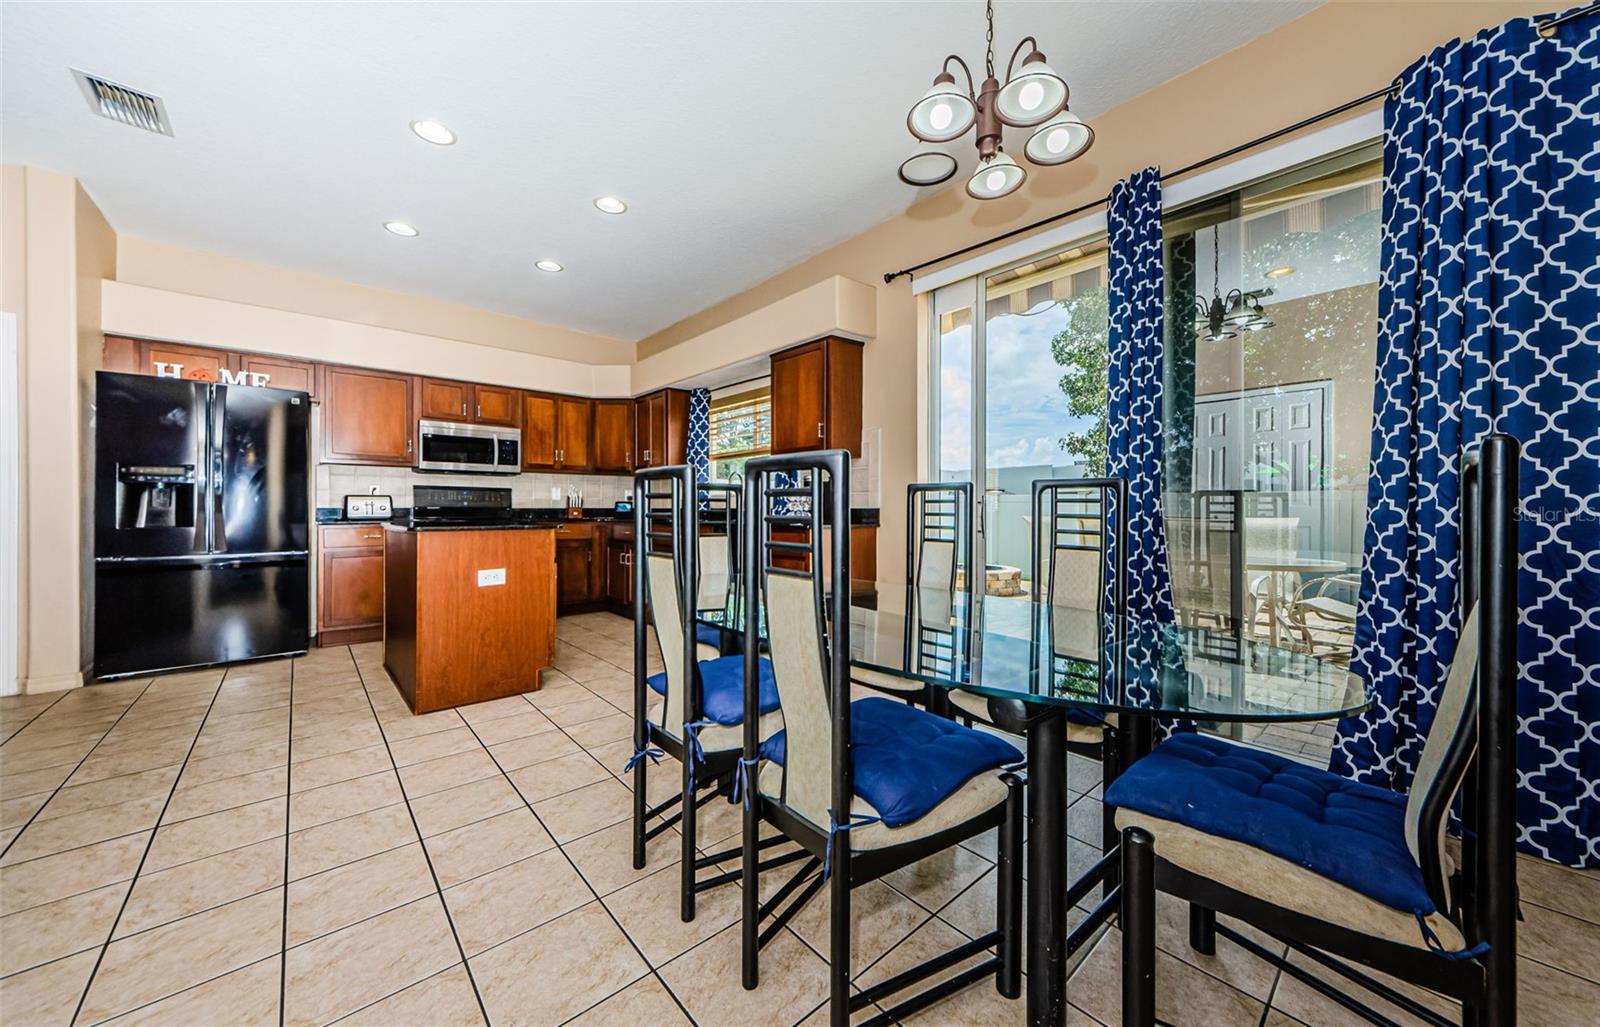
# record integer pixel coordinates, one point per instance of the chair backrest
(807, 626)
(1447, 751)
(939, 536)
(718, 548)
(666, 519)
(1079, 534)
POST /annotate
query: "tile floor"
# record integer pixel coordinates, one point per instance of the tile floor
(285, 843)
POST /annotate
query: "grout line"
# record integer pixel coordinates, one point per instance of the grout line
(428, 858)
(288, 812)
(561, 848)
(99, 959)
(57, 790)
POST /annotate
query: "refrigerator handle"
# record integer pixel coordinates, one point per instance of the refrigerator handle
(217, 446)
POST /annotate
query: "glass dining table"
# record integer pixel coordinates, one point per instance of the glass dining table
(1042, 667)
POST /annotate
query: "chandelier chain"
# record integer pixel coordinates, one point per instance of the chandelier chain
(988, 39)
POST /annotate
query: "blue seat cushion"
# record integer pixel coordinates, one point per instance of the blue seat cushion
(905, 760)
(710, 634)
(722, 689)
(1346, 831)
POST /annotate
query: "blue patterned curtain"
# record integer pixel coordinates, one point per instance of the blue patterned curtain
(1490, 304)
(1133, 220)
(700, 433)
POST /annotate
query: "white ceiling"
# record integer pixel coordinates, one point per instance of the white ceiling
(746, 137)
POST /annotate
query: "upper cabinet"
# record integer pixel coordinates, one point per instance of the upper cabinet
(556, 433)
(613, 436)
(367, 416)
(816, 397)
(201, 363)
(661, 428)
(281, 372)
(439, 399)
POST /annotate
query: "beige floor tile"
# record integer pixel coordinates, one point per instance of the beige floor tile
(650, 912)
(580, 812)
(881, 918)
(245, 761)
(189, 888)
(20, 759)
(57, 876)
(113, 791)
(1564, 942)
(169, 959)
(502, 904)
(348, 970)
(247, 997)
(410, 726)
(794, 980)
(645, 1001)
(1231, 963)
(228, 793)
(525, 752)
(603, 730)
(562, 774)
(482, 713)
(522, 724)
(464, 804)
(605, 858)
(1184, 995)
(55, 929)
(446, 999)
(331, 743)
(422, 779)
(582, 958)
(343, 841)
(47, 995)
(1305, 1004)
(43, 837)
(934, 881)
(347, 798)
(33, 782)
(218, 832)
(1573, 892)
(558, 690)
(342, 766)
(978, 1005)
(337, 898)
(1550, 998)
(423, 748)
(486, 845)
(579, 712)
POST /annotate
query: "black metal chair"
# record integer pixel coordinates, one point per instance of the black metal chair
(939, 572)
(693, 709)
(864, 787)
(1347, 872)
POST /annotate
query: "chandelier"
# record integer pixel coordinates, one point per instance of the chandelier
(1034, 96)
(1223, 317)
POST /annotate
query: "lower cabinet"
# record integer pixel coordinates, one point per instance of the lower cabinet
(619, 569)
(579, 583)
(349, 583)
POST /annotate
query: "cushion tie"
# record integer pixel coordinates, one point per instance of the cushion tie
(742, 785)
(649, 752)
(836, 828)
(691, 741)
(1438, 949)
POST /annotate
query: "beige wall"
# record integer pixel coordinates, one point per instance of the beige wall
(57, 246)
(1338, 51)
(174, 269)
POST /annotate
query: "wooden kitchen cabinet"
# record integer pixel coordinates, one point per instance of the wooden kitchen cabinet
(574, 429)
(179, 361)
(816, 397)
(349, 583)
(440, 400)
(555, 432)
(493, 404)
(367, 416)
(281, 372)
(613, 436)
(618, 569)
(577, 578)
(661, 428)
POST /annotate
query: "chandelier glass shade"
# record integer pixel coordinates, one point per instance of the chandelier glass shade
(927, 165)
(1034, 97)
(1224, 316)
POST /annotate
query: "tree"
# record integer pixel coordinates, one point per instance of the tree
(1080, 348)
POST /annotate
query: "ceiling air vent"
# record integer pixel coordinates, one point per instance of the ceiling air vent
(121, 103)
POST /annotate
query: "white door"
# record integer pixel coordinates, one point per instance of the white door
(1269, 440)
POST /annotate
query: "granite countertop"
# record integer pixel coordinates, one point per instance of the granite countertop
(540, 526)
(536, 517)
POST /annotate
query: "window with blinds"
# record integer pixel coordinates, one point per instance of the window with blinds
(741, 427)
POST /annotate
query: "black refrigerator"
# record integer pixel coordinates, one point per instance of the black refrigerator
(201, 535)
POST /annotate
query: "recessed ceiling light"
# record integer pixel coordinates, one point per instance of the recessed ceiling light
(611, 205)
(400, 228)
(433, 132)
(548, 265)
(1280, 272)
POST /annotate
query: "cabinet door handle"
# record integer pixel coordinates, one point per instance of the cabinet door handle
(819, 429)
(463, 410)
(480, 410)
(408, 445)
(372, 537)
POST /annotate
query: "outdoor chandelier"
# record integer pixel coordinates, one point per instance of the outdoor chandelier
(1034, 96)
(1224, 317)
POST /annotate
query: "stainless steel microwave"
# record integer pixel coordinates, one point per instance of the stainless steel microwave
(468, 448)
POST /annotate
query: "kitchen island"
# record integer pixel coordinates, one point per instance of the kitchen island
(469, 612)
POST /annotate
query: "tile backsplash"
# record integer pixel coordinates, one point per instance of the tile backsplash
(335, 481)
(865, 490)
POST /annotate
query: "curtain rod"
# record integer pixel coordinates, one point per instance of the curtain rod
(1186, 169)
